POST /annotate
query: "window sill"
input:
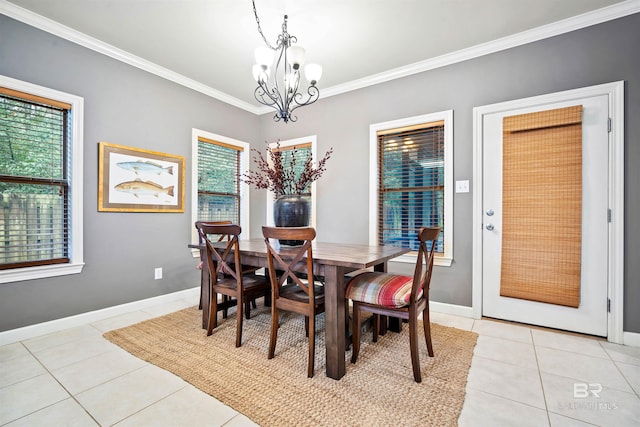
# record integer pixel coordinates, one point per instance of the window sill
(30, 273)
(411, 259)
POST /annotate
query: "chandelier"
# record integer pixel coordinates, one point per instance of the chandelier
(278, 85)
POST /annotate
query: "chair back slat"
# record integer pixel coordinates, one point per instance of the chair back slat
(218, 257)
(386, 294)
(290, 260)
(286, 259)
(227, 278)
(200, 236)
(428, 236)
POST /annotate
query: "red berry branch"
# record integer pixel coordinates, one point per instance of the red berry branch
(279, 175)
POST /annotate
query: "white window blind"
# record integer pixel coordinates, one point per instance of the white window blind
(293, 161)
(218, 184)
(411, 184)
(34, 180)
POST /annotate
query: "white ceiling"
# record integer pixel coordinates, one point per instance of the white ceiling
(211, 42)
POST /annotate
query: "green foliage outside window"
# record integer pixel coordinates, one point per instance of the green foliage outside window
(34, 220)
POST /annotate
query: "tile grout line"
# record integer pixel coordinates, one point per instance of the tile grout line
(70, 395)
(48, 372)
(544, 395)
(59, 383)
(615, 363)
(149, 405)
(506, 398)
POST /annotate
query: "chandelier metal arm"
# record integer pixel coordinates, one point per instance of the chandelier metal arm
(313, 95)
(283, 95)
(269, 97)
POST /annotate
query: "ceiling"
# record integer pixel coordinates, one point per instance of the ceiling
(210, 43)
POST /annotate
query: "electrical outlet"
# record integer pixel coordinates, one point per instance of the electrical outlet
(158, 273)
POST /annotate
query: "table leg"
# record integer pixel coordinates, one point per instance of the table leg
(334, 321)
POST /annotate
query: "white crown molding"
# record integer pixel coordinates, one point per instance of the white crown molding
(577, 22)
(57, 29)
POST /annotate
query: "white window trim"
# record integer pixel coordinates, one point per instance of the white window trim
(447, 258)
(76, 257)
(245, 156)
(270, 196)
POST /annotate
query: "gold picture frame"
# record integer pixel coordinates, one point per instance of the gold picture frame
(136, 180)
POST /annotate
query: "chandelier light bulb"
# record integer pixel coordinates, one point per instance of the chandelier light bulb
(264, 56)
(313, 73)
(295, 57)
(260, 73)
(291, 81)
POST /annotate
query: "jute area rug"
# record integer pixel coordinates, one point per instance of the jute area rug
(376, 391)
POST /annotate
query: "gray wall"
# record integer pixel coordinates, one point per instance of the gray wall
(122, 249)
(600, 54)
(128, 106)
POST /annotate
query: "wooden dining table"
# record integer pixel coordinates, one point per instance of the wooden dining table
(331, 261)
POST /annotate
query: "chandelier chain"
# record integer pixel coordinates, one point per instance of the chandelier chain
(255, 12)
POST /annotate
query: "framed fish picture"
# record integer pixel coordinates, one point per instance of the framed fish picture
(136, 180)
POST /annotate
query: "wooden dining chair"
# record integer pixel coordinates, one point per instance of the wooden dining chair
(245, 269)
(226, 276)
(293, 285)
(201, 242)
(394, 295)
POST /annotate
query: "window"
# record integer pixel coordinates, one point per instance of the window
(302, 147)
(40, 181)
(218, 186)
(412, 182)
(217, 193)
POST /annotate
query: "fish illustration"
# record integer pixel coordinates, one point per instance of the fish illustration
(144, 188)
(145, 167)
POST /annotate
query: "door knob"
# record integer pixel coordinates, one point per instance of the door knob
(490, 227)
(489, 212)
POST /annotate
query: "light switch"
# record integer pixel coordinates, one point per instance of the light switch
(462, 186)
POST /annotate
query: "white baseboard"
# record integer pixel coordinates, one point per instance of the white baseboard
(14, 335)
(31, 331)
(631, 339)
(456, 310)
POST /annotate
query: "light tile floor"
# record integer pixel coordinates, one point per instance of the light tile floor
(519, 376)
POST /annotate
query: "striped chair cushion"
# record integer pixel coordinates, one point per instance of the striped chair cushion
(387, 290)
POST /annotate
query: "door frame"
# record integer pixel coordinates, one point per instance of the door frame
(615, 261)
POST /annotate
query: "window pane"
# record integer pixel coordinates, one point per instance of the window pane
(218, 208)
(293, 159)
(218, 184)
(218, 168)
(32, 140)
(411, 184)
(33, 224)
(34, 189)
(405, 212)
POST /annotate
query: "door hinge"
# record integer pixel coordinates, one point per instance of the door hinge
(608, 215)
(608, 305)
(609, 124)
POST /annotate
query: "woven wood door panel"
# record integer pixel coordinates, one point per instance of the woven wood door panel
(542, 206)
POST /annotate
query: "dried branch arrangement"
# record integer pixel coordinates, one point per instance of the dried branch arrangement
(280, 175)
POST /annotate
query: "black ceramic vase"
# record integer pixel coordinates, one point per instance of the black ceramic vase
(291, 210)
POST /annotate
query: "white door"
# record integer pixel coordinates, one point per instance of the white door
(591, 315)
